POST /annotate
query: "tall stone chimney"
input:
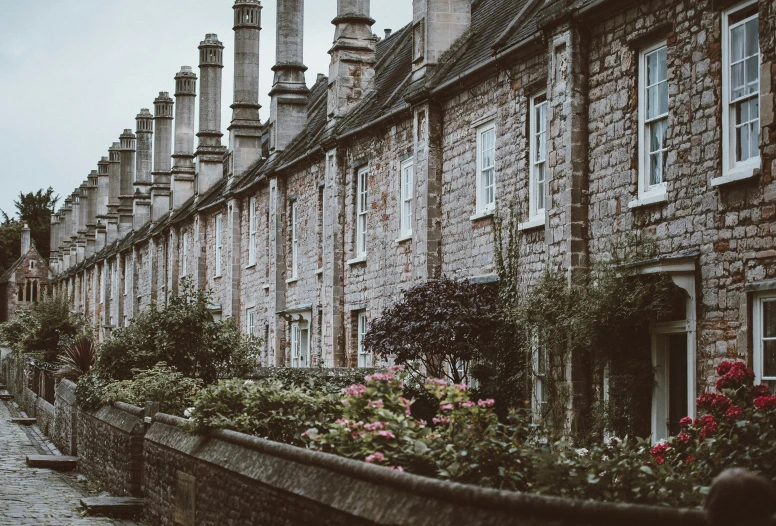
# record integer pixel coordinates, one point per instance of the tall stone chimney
(26, 243)
(210, 152)
(183, 164)
(436, 24)
(351, 72)
(114, 191)
(91, 212)
(160, 190)
(288, 109)
(82, 192)
(245, 128)
(128, 141)
(54, 243)
(67, 230)
(144, 163)
(103, 182)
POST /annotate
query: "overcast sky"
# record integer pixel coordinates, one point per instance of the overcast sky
(74, 73)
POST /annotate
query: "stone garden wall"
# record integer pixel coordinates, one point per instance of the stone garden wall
(64, 433)
(110, 447)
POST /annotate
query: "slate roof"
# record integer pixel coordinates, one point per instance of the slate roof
(496, 25)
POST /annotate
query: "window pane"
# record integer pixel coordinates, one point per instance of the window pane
(752, 38)
(662, 98)
(754, 139)
(737, 80)
(661, 64)
(652, 67)
(742, 143)
(656, 135)
(769, 358)
(752, 73)
(737, 44)
(769, 319)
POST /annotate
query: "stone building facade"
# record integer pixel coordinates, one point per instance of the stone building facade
(25, 282)
(593, 121)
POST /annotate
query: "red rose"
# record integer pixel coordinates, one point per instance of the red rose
(738, 374)
(724, 367)
(683, 438)
(765, 403)
(685, 422)
(689, 459)
(761, 390)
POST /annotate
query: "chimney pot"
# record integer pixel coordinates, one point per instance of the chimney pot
(388, 32)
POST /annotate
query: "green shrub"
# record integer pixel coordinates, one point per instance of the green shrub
(182, 334)
(265, 408)
(45, 329)
(174, 391)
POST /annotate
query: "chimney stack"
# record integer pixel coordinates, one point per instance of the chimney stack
(142, 184)
(436, 24)
(351, 72)
(54, 243)
(183, 167)
(388, 32)
(66, 230)
(26, 243)
(210, 153)
(160, 190)
(288, 110)
(103, 182)
(245, 128)
(128, 142)
(114, 191)
(91, 213)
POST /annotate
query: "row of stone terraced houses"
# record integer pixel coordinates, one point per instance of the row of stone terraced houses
(594, 118)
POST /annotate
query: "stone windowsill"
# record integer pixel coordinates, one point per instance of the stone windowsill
(319, 271)
(217, 277)
(739, 174)
(292, 280)
(252, 265)
(483, 214)
(265, 286)
(403, 239)
(534, 222)
(357, 260)
(649, 199)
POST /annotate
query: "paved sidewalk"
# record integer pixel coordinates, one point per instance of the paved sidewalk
(32, 496)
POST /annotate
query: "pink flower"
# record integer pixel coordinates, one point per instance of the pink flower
(407, 404)
(377, 404)
(421, 423)
(376, 456)
(733, 413)
(386, 434)
(355, 390)
(341, 421)
(685, 422)
(468, 403)
(461, 387)
(379, 377)
(486, 403)
(395, 368)
(304, 434)
(397, 468)
(446, 407)
(683, 438)
(441, 420)
(374, 426)
(436, 381)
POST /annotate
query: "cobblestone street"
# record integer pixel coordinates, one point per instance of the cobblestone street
(30, 496)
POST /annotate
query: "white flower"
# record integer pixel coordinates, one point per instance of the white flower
(582, 452)
(187, 412)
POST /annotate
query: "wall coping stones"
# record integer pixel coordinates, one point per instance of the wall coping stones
(390, 497)
(118, 418)
(66, 389)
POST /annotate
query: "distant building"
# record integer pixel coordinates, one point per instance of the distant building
(595, 118)
(26, 281)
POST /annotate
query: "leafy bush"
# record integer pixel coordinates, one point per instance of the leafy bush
(437, 324)
(174, 391)
(182, 334)
(265, 408)
(45, 329)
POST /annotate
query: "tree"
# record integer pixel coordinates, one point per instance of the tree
(10, 243)
(439, 326)
(35, 209)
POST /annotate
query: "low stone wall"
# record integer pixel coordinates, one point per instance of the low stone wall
(64, 432)
(110, 447)
(243, 480)
(27, 401)
(44, 412)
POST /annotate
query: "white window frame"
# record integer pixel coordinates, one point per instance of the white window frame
(294, 223)
(485, 205)
(250, 322)
(126, 274)
(758, 302)
(362, 209)
(364, 359)
(219, 245)
(253, 232)
(539, 389)
(538, 131)
(300, 345)
(184, 254)
(732, 170)
(646, 190)
(102, 284)
(406, 197)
